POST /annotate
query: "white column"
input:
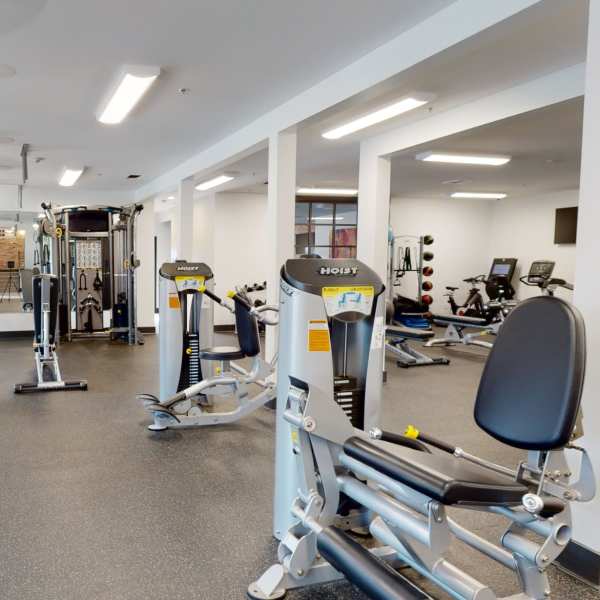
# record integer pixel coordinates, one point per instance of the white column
(205, 219)
(373, 210)
(281, 202)
(183, 221)
(586, 530)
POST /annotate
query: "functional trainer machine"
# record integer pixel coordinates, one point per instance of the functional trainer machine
(188, 388)
(95, 262)
(45, 311)
(335, 470)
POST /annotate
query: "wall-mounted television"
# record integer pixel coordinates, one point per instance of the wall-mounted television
(565, 226)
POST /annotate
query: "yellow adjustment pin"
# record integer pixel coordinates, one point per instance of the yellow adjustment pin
(188, 351)
(202, 288)
(230, 294)
(412, 432)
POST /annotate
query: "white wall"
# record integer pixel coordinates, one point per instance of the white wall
(144, 242)
(461, 230)
(469, 234)
(240, 245)
(524, 228)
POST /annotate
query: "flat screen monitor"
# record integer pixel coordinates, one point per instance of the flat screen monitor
(565, 226)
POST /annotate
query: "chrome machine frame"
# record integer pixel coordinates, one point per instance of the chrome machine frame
(118, 268)
(314, 471)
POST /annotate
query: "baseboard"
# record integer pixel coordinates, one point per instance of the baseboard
(15, 334)
(581, 562)
(224, 328)
(147, 329)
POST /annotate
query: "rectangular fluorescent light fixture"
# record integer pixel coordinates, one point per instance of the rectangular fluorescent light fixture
(131, 85)
(383, 114)
(211, 183)
(481, 195)
(304, 191)
(464, 159)
(70, 177)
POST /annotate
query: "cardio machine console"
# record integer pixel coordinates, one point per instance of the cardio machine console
(540, 272)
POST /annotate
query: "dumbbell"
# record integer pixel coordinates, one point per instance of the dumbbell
(428, 256)
(426, 299)
(427, 286)
(427, 240)
(427, 271)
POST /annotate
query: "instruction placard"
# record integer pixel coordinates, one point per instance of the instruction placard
(318, 336)
(189, 282)
(340, 299)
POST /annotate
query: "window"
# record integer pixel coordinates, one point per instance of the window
(326, 227)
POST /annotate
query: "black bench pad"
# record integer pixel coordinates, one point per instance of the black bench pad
(220, 353)
(409, 333)
(443, 477)
(457, 320)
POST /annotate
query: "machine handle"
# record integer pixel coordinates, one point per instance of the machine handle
(399, 440)
(215, 298)
(237, 298)
(415, 434)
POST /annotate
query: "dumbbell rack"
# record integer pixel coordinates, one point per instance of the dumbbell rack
(417, 249)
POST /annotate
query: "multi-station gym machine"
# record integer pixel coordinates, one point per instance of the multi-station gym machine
(93, 255)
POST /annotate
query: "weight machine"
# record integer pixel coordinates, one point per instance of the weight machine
(194, 374)
(337, 471)
(95, 261)
(45, 311)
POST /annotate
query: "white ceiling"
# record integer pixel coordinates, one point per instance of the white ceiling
(238, 58)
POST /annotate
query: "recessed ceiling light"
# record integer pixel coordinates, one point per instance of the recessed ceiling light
(5, 139)
(170, 197)
(211, 183)
(493, 160)
(69, 177)
(383, 114)
(307, 191)
(131, 85)
(6, 71)
(481, 195)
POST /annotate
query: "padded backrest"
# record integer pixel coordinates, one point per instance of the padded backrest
(247, 330)
(530, 390)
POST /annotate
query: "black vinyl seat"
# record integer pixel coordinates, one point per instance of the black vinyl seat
(443, 477)
(529, 398)
(221, 353)
(247, 334)
(409, 333)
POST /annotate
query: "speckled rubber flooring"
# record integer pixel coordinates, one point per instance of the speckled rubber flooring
(95, 507)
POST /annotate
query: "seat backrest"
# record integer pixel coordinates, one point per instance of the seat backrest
(247, 330)
(530, 391)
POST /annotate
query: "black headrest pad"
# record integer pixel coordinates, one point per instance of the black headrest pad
(530, 390)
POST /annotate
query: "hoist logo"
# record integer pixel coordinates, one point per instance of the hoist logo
(187, 268)
(338, 271)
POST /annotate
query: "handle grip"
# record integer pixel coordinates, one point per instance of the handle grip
(237, 298)
(415, 434)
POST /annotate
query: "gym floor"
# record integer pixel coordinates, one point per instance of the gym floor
(94, 506)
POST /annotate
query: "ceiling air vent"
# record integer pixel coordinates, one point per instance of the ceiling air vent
(133, 176)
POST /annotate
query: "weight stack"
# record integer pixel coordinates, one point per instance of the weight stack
(351, 398)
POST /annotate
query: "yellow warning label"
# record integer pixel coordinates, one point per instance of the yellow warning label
(189, 282)
(331, 292)
(174, 301)
(318, 336)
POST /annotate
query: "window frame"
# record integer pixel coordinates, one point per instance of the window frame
(335, 201)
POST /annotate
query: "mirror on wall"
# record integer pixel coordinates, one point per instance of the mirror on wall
(16, 262)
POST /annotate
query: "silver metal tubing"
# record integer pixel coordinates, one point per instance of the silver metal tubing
(484, 546)
(460, 453)
(387, 508)
(313, 524)
(539, 526)
(411, 498)
(450, 578)
(293, 418)
(521, 546)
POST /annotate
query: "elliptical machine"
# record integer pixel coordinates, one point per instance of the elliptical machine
(540, 275)
(45, 311)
